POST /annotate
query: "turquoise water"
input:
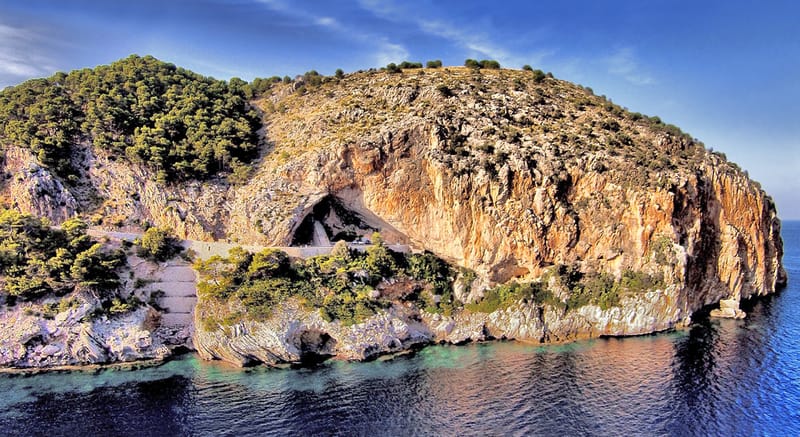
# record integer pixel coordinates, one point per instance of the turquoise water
(719, 377)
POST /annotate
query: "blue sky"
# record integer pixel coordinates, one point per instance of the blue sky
(724, 71)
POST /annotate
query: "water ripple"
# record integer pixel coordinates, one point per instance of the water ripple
(719, 377)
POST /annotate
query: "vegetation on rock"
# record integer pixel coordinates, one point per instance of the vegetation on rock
(179, 124)
(601, 289)
(347, 285)
(157, 244)
(37, 260)
(505, 295)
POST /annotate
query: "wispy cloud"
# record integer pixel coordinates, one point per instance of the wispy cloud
(386, 51)
(478, 44)
(215, 69)
(382, 8)
(20, 55)
(623, 63)
(474, 41)
(328, 22)
(390, 52)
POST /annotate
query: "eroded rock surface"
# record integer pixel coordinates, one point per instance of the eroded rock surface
(74, 337)
(491, 170)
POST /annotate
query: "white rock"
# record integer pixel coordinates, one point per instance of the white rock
(51, 349)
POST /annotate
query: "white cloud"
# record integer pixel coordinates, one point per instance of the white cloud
(623, 63)
(327, 22)
(475, 42)
(276, 5)
(386, 50)
(390, 52)
(385, 9)
(479, 45)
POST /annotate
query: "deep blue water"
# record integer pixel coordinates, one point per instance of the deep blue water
(719, 377)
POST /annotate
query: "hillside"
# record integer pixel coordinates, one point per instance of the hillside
(631, 225)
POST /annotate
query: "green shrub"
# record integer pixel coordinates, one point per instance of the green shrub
(472, 63)
(505, 295)
(268, 263)
(37, 260)
(410, 65)
(240, 173)
(121, 306)
(339, 284)
(258, 297)
(605, 290)
(434, 64)
(393, 68)
(663, 253)
(158, 244)
(599, 289)
(312, 78)
(538, 76)
(444, 90)
(379, 261)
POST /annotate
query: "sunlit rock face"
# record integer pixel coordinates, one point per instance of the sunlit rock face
(492, 170)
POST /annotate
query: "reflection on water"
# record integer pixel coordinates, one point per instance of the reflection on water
(738, 377)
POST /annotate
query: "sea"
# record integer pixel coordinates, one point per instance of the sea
(716, 377)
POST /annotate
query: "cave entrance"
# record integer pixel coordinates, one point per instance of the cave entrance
(315, 347)
(330, 221)
(343, 217)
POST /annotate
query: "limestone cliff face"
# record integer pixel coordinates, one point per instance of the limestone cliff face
(492, 170)
(34, 189)
(509, 180)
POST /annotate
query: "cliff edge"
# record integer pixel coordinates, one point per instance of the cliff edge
(515, 177)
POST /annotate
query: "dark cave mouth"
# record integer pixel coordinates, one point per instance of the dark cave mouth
(340, 223)
(315, 347)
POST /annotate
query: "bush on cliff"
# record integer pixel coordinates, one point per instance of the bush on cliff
(505, 295)
(340, 285)
(37, 260)
(158, 244)
(603, 289)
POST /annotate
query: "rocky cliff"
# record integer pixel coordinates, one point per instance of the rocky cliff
(498, 171)
(70, 338)
(76, 330)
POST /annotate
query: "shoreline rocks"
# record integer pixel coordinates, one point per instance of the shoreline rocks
(294, 335)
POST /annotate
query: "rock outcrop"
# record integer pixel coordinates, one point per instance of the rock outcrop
(73, 337)
(495, 171)
(295, 335)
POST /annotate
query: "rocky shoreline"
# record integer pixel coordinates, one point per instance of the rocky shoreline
(296, 337)
(501, 175)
